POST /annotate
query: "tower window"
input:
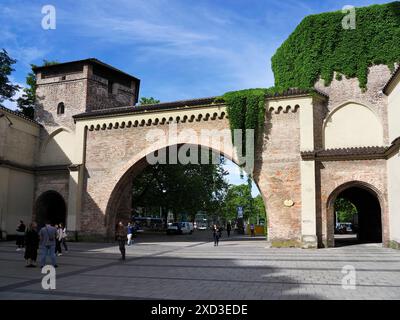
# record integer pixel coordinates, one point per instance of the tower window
(110, 87)
(60, 108)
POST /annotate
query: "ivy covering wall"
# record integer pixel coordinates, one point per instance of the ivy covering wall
(245, 110)
(317, 48)
(320, 45)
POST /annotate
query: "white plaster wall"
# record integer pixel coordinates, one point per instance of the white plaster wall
(394, 165)
(394, 196)
(16, 196)
(352, 125)
(58, 149)
(18, 142)
(4, 177)
(394, 113)
(308, 204)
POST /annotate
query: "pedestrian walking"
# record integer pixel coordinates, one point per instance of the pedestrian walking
(120, 236)
(47, 244)
(20, 235)
(130, 233)
(58, 240)
(31, 245)
(253, 234)
(64, 237)
(228, 229)
(216, 235)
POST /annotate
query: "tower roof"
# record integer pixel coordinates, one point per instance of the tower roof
(92, 61)
(103, 67)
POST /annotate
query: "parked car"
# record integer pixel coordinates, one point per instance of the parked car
(344, 227)
(180, 228)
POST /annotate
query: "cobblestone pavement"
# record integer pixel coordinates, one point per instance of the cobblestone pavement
(181, 269)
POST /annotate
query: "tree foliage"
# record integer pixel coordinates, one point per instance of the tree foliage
(240, 196)
(26, 103)
(7, 89)
(186, 189)
(147, 101)
(320, 45)
(345, 210)
(246, 110)
(317, 48)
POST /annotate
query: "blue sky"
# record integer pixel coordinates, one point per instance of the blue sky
(179, 49)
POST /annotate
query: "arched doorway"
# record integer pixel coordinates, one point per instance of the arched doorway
(50, 206)
(356, 215)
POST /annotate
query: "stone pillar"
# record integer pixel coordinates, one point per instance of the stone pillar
(74, 198)
(308, 193)
(76, 179)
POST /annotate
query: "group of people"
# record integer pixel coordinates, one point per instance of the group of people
(217, 232)
(48, 239)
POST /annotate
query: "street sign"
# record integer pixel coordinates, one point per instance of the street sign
(240, 212)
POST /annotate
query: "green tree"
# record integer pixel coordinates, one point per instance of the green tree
(7, 89)
(240, 196)
(146, 101)
(259, 209)
(26, 103)
(345, 210)
(186, 189)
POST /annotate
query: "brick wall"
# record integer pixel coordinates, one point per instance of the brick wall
(278, 175)
(72, 93)
(100, 98)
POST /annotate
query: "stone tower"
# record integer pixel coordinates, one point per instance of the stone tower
(64, 90)
(67, 89)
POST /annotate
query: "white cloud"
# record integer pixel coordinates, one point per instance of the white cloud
(24, 54)
(209, 38)
(162, 30)
(28, 55)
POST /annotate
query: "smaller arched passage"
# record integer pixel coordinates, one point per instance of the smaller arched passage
(366, 226)
(50, 207)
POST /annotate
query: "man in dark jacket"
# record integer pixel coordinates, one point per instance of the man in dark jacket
(121, 236)
(31, 245)
(228, 229)
(20, 235)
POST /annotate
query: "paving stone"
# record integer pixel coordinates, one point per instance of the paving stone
(237, 270)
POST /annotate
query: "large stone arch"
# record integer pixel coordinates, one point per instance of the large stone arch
(136, 164)
(116, 143)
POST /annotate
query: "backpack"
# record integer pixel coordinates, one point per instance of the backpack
(50, 239)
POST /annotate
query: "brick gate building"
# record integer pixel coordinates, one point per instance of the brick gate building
(76, 160)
